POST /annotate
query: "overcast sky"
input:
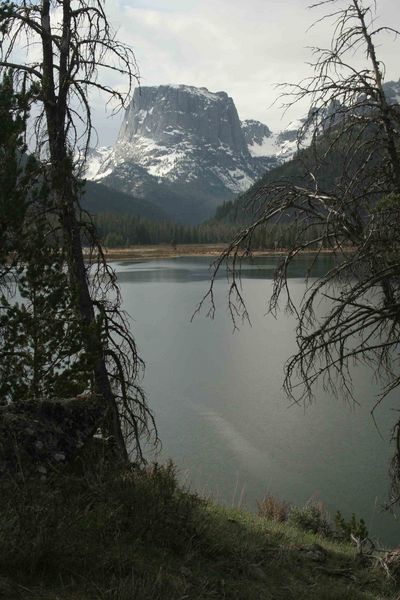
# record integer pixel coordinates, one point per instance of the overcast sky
(244, 47)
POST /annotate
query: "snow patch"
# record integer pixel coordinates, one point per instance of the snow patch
(268, 147)
(163, 165)
(103, 174)
(96, 160)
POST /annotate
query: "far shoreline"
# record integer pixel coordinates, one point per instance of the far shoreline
(161, 251)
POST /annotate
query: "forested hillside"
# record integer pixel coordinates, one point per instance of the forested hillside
(305, 168)
(127, 230)
(98, 198)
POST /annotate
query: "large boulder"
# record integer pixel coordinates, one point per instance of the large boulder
(37, 437)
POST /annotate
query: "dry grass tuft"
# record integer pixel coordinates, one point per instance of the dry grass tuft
(274, 509)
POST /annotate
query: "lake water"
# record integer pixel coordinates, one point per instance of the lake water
(218, 401)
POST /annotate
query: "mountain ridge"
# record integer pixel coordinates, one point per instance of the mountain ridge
(98, 198)
(297, 170)
(186, 150)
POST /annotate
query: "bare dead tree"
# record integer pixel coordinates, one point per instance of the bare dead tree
(354, 132)
(75, 44)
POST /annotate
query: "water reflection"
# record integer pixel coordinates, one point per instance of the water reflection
(219, 404)
(187, 269)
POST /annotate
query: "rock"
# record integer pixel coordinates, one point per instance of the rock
(164, 112)
(256, 572)
(59, 457)
(36, 435)
(184, 148)
(314, 552)
(255, 132)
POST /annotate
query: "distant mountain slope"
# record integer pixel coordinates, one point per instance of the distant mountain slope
(99, 198)
(296, 170)
(242, 208)
(186, 150)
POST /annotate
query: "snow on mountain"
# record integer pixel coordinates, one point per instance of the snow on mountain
(183, 140)
(96, 159)
(392, 91)
(186, 149)
(262, 142)
(259, 138)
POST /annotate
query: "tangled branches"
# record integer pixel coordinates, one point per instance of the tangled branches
(124, 365)
(344, 197)
(77, 46)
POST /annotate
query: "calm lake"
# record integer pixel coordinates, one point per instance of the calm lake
(218, 401)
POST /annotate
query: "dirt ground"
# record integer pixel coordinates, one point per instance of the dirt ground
(167, 251)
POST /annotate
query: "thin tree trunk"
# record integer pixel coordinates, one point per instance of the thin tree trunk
(385, 111)
(61, 173)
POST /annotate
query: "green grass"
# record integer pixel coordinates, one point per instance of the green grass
(135, 535)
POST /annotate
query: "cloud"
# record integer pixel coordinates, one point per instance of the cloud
(243, 48)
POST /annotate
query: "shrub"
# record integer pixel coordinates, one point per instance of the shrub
(274, 509)
(354, 526)
(312, 517)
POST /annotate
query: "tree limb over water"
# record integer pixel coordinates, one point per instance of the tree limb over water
(69, 45)
(346, 197)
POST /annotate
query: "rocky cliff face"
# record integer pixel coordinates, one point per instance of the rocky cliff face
(168, 113)
(183, 148)
(186, 150)
(255, 132)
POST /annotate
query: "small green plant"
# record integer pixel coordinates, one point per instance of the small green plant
(388, 202)
(274, 509)
(354, 527)
(311, 517)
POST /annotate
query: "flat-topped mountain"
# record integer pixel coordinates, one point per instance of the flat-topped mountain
(185, 149)
(168, 113)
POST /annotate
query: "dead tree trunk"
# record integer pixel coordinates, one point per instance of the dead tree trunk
(76, 41)
(65, 197)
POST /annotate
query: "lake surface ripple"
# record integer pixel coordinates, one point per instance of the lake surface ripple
(219, 405)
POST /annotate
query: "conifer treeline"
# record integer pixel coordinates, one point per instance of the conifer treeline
(130, 230)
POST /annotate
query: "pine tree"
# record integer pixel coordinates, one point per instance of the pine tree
(76, 42)
(41, 347)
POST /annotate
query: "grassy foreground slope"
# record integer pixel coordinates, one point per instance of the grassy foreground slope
(135, 535)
